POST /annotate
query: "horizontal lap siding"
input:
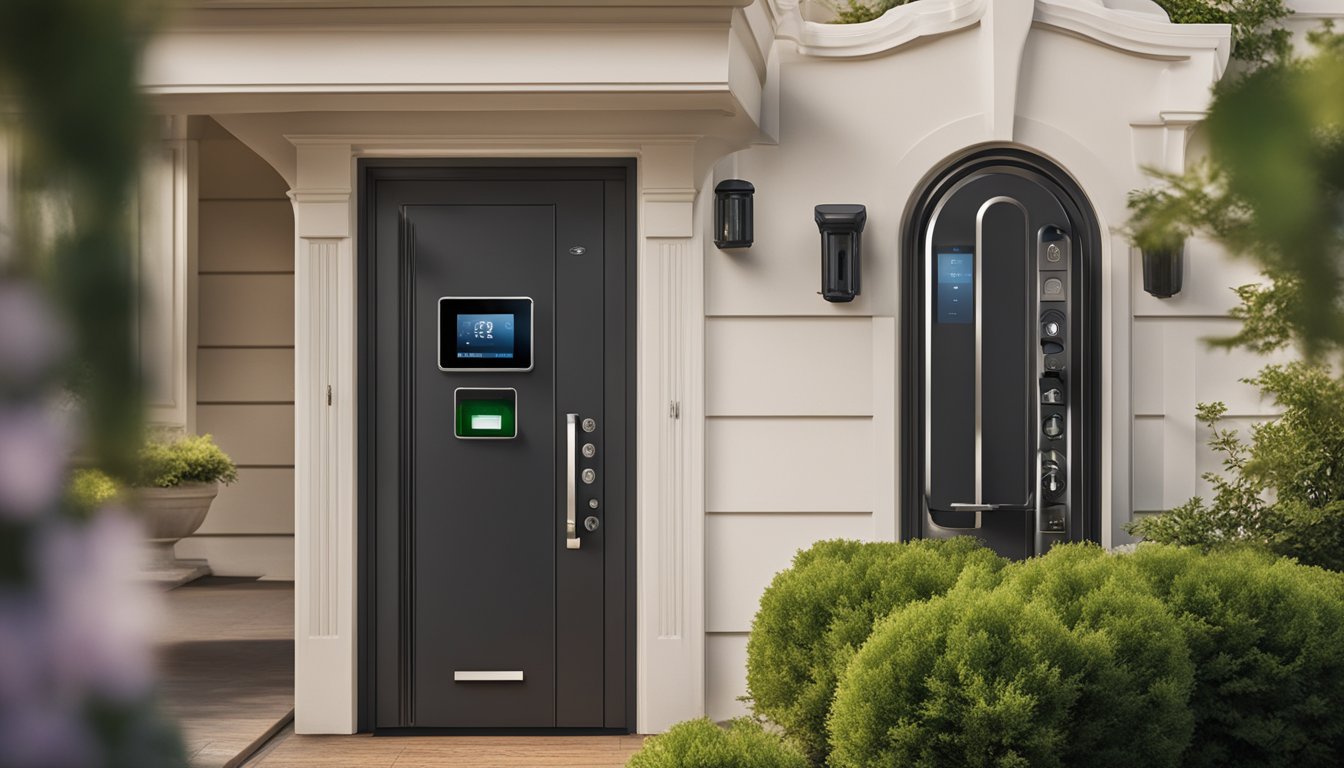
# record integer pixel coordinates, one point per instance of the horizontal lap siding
(245, 359)
(790, 459)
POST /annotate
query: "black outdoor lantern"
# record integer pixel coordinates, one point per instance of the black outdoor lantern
(1162, 270)
(841, 230)
(733, 213)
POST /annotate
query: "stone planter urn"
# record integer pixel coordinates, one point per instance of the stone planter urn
(171, 514)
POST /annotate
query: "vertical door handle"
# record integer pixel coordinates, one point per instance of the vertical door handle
(571, 441)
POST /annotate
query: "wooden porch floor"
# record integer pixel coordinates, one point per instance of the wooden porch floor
(291, 751)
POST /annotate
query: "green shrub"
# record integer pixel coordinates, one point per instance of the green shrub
(1256, 35)
(702, 744)
(90, 489)
(165, 464)
(973, 678)
(859, 11)
(1267, 640)
(1139, 674)
(816, 614)
(1069, 661)
(1283, 490)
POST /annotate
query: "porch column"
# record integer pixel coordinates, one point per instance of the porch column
(325, 661)
(670, 684)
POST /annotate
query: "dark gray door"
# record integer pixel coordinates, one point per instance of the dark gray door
(1003, 360)
(488, 611)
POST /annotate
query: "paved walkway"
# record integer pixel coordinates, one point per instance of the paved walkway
(227, 656)
(290, 751)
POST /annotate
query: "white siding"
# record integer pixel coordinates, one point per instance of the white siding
(245, 358)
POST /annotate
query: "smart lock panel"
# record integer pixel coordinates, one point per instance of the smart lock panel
(1000, 374)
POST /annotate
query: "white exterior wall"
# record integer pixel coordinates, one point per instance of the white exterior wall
(787, 429)
(801, 394)
(245, 357)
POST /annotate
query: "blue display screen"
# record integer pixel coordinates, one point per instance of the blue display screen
(485, 336)
(955, 299)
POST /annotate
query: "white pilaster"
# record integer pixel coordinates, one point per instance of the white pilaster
(325, 660)
(670, 681)
(166, 273)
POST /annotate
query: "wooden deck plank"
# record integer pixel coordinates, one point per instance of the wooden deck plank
(293, 751)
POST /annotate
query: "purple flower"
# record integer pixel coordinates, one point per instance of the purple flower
(31, 337)
(102, 618)
(45, 735)
(33, 452)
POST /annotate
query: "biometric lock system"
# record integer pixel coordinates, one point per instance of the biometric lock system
(1002, 396)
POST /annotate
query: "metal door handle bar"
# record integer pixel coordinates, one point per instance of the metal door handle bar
(487, 676)
(979, 510)
(571, 442)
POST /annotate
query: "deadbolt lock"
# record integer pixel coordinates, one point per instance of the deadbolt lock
(588, 476)
(589, 425)
(591, 523)
(589, 450)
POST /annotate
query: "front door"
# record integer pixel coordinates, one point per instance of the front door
(497, 445)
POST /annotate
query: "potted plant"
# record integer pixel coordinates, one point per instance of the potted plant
(176, 481)
(1156, 229)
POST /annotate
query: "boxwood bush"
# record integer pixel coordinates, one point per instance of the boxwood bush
(816, 614)
(1267, 640)
(1070, 660)
(702, 744)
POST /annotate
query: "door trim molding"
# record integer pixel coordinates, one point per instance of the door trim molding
(667, 207)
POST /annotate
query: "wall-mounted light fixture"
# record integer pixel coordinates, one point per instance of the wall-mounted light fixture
(841, 230)
(733, 213)
(1163, 269)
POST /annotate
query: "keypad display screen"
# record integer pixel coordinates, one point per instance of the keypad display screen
(483, 333)
(485, 336)
(955, 295)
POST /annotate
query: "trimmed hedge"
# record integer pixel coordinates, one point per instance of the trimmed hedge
(1267, 639)
(1069, 661)
(702, 744)
(938, 653)
(816, 614)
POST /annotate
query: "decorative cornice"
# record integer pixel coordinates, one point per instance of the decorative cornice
(1135, 33)
(1139, 34)
(894, 29)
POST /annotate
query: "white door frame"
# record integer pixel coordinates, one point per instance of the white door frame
(669, 401)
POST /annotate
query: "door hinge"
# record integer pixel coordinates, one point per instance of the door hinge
(328, 394)
(674, 409)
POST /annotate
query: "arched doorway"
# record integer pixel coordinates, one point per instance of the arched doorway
(1001, 355)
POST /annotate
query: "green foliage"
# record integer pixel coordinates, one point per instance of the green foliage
(70, 69)
(1069, 661)
(1284, 490)
(816, 614)
(1256, 35)
(90, 489)
(1155, 225)
(1273, 191)
(859, 11)
(702, 744)
(165, 464)
(1267, 641)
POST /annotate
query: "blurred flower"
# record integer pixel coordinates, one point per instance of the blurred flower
(33, 452)
(44, 735)
(102, 619)
(31, 339)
